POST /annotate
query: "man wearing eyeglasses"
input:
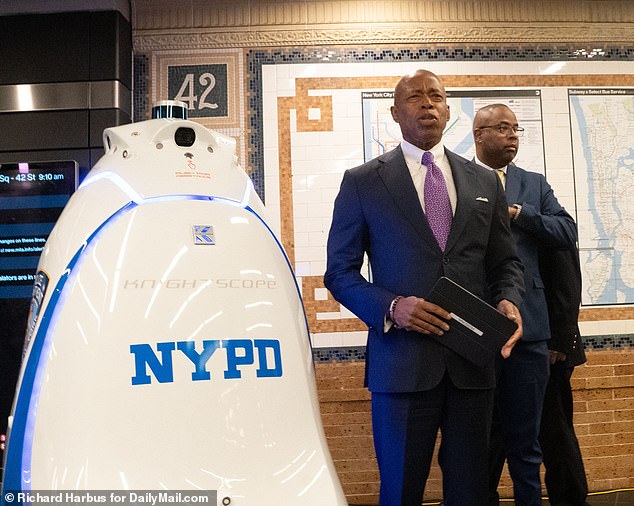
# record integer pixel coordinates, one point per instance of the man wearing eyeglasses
(537, 220)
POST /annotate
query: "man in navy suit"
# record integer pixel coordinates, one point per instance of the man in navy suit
(565, 475)
(417, 384)
(537, 220)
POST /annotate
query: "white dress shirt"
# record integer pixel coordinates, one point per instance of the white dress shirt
(480, 162)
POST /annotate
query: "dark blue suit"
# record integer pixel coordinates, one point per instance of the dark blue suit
(378, 213)
(565, 475)
(522, 378)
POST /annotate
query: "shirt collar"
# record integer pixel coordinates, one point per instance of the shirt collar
(415, 154)
(480, 162)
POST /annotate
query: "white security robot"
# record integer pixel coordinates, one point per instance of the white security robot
(167, 346)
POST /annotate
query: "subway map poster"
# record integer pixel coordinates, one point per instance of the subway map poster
(381, 133)
(602, 129)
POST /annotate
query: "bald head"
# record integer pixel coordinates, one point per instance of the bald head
(495, 135)
(406, 81)
(420, 108)
(486, 113)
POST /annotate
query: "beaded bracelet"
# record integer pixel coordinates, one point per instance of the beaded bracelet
(392, 308)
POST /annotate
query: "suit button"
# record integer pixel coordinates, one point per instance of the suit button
(445, 260)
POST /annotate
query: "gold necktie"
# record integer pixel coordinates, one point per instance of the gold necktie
(502, 176)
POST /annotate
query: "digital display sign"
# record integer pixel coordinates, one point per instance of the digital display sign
(32, 196)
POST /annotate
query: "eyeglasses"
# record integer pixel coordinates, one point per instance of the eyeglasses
(506, 129)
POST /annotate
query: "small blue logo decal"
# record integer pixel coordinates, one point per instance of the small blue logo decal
(204, 234)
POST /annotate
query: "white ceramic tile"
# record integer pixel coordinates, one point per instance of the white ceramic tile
(307, 138)
(271, 160)
(306, 197)
(312, 221)
(272, 190)
(299, 154)
(318, 239)
(321, 294)
(302, 269)
(300, 210)
(309, 253)
(286, 87)
(301, 240)
(604, 327)
(300, 183)
(328, 316)
(318, 268)
(327, 340)
(330, 180)
(314, 114)
(629, 326)
(354, 338)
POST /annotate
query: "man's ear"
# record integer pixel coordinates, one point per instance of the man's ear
(394, 113)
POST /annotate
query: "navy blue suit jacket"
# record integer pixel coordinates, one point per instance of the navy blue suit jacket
(542, 223)
(561, 271)
(378, 212)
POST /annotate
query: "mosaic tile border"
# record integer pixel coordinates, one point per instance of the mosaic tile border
(255, 58)
(347, 354)
(357, 353)
(609, 342)
(140, 94)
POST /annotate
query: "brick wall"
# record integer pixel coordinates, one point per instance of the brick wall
(604, 420)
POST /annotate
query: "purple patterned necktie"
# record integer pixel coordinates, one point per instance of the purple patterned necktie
(437, 204)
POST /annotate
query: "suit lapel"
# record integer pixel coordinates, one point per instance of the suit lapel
(398, 181)
(465, 180)
(513, 184)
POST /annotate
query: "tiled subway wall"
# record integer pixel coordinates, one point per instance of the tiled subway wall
(297, 116)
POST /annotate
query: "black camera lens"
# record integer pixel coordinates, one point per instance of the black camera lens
(185, 137)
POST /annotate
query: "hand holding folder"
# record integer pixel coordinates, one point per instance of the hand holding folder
(477, 331)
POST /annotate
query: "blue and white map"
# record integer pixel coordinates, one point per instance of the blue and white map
(381, 133)
(602, 127)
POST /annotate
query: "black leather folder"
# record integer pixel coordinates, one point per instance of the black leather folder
(477, 331)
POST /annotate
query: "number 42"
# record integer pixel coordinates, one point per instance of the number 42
(207, 80)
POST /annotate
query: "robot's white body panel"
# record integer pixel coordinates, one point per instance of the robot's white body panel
(168, 347)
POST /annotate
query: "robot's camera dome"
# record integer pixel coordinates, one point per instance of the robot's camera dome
(185, 137)
(174, 109)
